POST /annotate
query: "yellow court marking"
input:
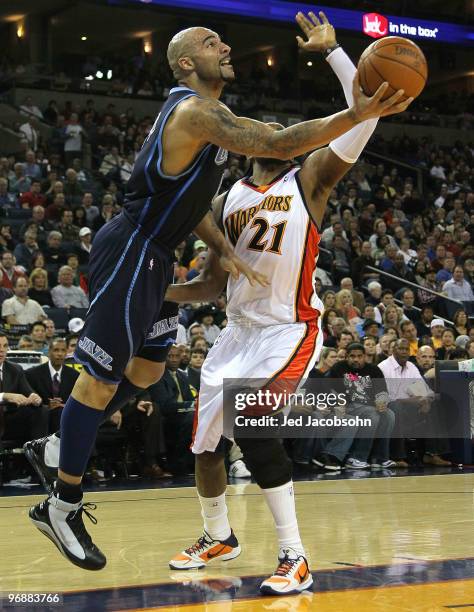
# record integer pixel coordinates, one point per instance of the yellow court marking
(413, 598)
(374, 521)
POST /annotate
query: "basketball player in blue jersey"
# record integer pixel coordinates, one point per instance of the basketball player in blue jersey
(129, 328)
(268, 335)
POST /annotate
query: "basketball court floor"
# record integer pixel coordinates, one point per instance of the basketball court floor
(375, 544)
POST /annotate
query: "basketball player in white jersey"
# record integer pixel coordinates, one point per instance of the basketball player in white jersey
(273, 220)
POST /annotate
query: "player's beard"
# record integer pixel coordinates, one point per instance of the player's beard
(269, 164)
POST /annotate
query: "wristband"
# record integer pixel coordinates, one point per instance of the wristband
(328, 51)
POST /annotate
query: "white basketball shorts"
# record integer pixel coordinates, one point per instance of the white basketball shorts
(287, 351)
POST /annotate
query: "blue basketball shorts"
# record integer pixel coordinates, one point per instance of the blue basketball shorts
(127, 317)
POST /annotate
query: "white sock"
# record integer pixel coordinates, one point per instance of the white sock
(214, 513)
(51, 451)
(281, 501)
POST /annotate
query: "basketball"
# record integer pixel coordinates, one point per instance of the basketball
(398, 61)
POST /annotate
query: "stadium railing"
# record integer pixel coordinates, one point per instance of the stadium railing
(448, 304)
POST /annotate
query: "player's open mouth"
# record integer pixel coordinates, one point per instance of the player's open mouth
(226, 62)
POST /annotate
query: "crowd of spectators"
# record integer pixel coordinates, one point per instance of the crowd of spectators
(57, 194)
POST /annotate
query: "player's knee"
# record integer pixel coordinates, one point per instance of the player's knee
(267, 460)
(143, 372)
(92, 392)
(209, 461)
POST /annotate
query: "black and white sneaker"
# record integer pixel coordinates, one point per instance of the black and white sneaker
(327, 462)
(62, 523)
(35, 452)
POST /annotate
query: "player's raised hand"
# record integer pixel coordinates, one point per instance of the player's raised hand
(370, 107)
(232, 264)
(319, 32)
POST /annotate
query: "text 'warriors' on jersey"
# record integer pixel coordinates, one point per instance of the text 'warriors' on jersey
(167, 207)
(271, 230)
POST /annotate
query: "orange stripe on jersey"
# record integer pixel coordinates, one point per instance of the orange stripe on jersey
(287, 379)
(298, 363)
(304, 310)
(195, 421)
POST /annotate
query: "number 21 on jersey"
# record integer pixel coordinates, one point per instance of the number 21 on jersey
(266, 239)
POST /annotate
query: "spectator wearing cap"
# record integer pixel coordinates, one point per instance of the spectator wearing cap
(198, 247)
(457, 288)
(85, 245)
(205, 316)
(20, 309)
(371, 329)
(437, 327)
(75, 325)
(66, 294)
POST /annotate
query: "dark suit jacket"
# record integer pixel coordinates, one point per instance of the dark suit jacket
(14, 379)
(39, 378)
(165, 393)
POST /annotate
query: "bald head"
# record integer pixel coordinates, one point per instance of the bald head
(185, 44)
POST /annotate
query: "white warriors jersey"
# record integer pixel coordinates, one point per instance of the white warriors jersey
(273, 233)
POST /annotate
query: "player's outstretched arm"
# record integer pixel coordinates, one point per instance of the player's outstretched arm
(208, 231)
(207, 286)
(208, 120)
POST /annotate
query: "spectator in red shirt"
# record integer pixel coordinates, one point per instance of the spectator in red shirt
(8, 271)
(33, 197)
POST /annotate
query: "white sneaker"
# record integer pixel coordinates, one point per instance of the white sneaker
(383, 465)
(355, 464)
(291, 576)
(238, 469)
(204, 551)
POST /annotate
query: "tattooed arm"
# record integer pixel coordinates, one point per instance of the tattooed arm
(208, 120)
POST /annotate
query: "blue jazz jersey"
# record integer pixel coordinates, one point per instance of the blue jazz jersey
(131, 262)
(168, 208)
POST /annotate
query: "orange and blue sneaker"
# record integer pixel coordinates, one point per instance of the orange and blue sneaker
(206, 550)
(291, 576)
